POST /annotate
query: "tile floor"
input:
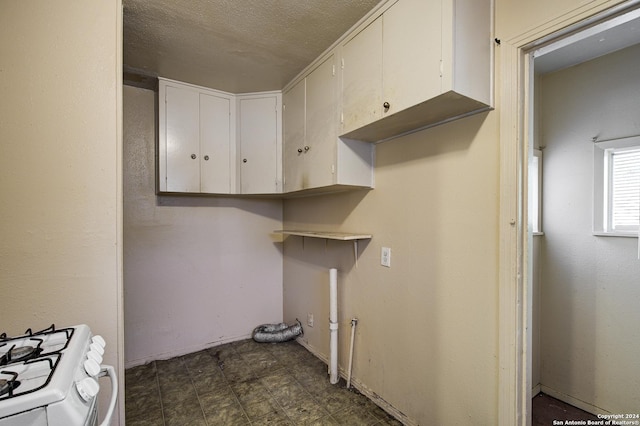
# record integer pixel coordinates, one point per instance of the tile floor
(546, 410)
(244, 383)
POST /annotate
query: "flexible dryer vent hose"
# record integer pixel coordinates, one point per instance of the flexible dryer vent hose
(275, 333)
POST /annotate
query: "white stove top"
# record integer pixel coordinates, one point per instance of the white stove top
(58, 361)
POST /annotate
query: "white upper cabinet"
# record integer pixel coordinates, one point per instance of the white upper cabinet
(408, 65)
(419, 63)
(314, 157)
(194, 140)
(213, 142)
(259, 139)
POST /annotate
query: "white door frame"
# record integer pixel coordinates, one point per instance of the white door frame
(515, 278)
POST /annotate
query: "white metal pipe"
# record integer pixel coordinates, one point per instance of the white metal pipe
(333, 325)
(354, 322)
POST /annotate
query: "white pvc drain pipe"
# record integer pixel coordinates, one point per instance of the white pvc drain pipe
(333, 326)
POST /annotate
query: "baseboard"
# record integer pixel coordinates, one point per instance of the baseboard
(374, 397)
(536, 390)
(589, 408)
(183, 351)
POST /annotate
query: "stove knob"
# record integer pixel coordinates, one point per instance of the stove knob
(99, 340)
(88, 388)
(96, 348)
(95, 356)
(91, 367)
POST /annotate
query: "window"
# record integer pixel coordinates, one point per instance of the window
(617, 187)
(535, 192)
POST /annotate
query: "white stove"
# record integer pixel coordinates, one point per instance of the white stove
(50, 378)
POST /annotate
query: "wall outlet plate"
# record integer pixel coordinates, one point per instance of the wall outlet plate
(385, 257)
(310, 320)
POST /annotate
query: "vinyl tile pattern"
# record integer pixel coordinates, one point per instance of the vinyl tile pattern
(244, 383)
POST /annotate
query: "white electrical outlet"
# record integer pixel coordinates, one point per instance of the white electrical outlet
(385, 257)
(310, 320)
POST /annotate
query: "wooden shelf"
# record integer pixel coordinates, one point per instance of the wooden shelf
(342, 236)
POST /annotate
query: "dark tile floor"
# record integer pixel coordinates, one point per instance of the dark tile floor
(244, 383)
(546, 409)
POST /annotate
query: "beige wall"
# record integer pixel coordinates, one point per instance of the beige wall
(198, 271)
(589, 289)
(427, 332)
(60, 167)
(427, 340)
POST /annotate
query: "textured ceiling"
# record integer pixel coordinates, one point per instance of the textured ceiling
(237, 46)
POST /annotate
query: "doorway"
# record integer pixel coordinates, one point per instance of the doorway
(517, 128)
(583, 276)
(582, 94)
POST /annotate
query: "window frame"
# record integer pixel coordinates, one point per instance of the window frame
(601, 176)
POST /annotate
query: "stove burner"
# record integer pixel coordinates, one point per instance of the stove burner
(8, 385)
(20, 353)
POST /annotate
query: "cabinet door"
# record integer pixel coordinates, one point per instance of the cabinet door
(294, 137)
(258, 145)
(412, 50)
(182, 141)
(215, 139)
(319, 152)
(362, 77)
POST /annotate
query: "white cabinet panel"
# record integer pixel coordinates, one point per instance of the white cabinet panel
(293, 122)
(321, 125)
(258, 136)
(362, 77)
(182, 141)
(411, 70)
(215, 135)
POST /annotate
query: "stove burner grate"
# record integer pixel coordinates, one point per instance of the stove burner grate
(21, 353)
(8, 385)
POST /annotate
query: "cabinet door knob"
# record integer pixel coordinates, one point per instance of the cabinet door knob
(299, 150)
(206, 158)
(244, 160)
(306, 148)
(386, 106)
(193, 156)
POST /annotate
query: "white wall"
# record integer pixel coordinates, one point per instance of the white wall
(198, 271)
(60, 177)
(589, 320)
